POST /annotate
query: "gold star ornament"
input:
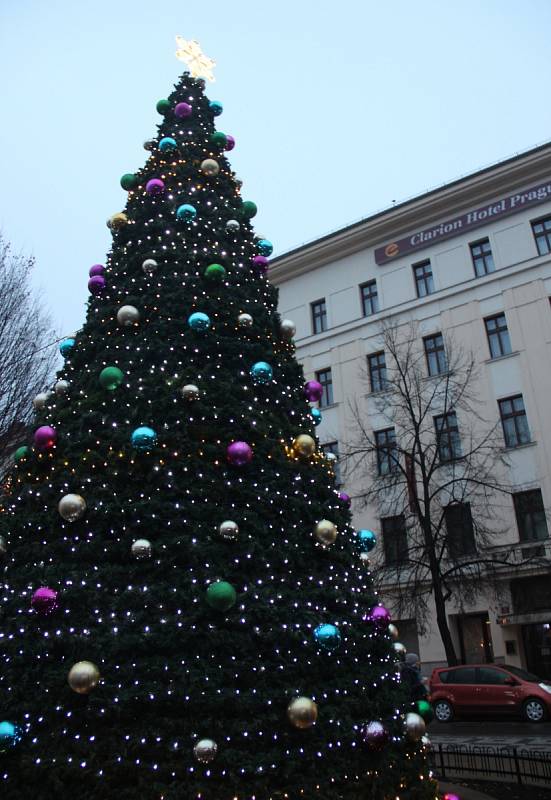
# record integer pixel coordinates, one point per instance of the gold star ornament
(198, 63)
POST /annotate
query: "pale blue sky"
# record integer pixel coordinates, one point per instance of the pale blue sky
(338, 108)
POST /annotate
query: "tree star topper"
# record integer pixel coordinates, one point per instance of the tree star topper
(191, 54)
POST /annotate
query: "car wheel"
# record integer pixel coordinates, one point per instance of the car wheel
(443, 711)
(533, 710)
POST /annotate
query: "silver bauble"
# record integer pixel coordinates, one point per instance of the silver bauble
(244, 320)
(61, 388)
(40, 400)
(128, 315)
(393, 630)
(205, 750)
(141, 548)
(72, 507)
(331, 457)
(210, 167)
(190, 391)
(415, 726)
(399, 649)
(83, 677)
(232, 226)
(364, 558)
(3, 546)
(149, 265)
(150, 144)
(229, 530)
(288, 328)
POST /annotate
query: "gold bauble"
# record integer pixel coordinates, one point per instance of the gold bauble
(415, 726)
(302, 712)
(210, 167)
(83, 677)
(304, 445)
(326, 532)
(393, 630)
(72, 507)
(117, 221)
(205, 750)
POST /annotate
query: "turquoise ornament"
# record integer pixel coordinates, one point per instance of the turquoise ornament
(9, 735)
(316, 415)
(327, 636)
(143, 438)
(265, 247)
(167, 144)
(216, 107)
(199, 321)
(186, 212)
(261, 372)
(367, 540)
(66, 346)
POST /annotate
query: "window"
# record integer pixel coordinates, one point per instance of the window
(333, 447)
(514, 421)
(447, 436)
(377, 371)
(497, 332)
(489, 675)
(423, 278)
(459, 527)
(483, 260)
(324, 377)
(370, 298)
(385, 443)
(395, 541)
(459, 675)
(530, 514)
(542, 235)
(437, 362)
(319, 316)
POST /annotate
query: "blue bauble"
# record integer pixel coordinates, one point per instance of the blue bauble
(186, 212)
(316, 415)
(367, 540)
(199, 321)
(167, 144)
(143, 438)
(265, 247)
(9, 735)
(66, 346)
(327, 636)
(216, 107)
(261, 372)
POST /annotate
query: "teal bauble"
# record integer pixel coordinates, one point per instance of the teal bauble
(221, 595)
(327, 636)
(215, 273)
(216, 107)
(167, 144)
(317, 416)
(186, 212)
(265, 247)
(143, 439)
(66, 346)
(9, 735)
(249, 209)
(21, 453)
(111, 378)
(129, 181)
(366, 540)
(261, 372)
(218, 139)
(163, 106)
(199, 321)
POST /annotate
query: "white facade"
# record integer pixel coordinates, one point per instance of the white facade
(334, 268)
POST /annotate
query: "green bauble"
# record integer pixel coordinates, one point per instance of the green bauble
(424, 709)
(221, 595)
(110, 378)
(22, 452)
(219, 139)
(163, 106)
(215, 273)
(249, 209)
(129, 181)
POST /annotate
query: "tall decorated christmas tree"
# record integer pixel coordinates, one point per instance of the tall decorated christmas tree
(186, 611)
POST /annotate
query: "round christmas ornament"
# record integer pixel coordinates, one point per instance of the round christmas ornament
(316, 416)
(325, 532)
(265, 247)
(399, 650)
(149, 265)
(143, 438)
(96, 269)
(150, 144)
(239, 454)
(375, 735)
(302, 712)
(216, 107)
(9, 735)
(393, 631)
(304, 445)
(332, 458)
(96, 284)
(232, 226)
(249, 209)
(83, 677)
(366, 540)
(186, 212)
(183, 110)
(221, 595)
(218, 139)
(129, 181)
(128, 315)
(378, 616)
(111, 378)
(141, 548)
(215, 273)
(230, 142)
(117, 221)
(345, 498)
(199, 321)
(327, 636)
(229, 530)
(3, 546)
(210, 167)
(288, 329)
(448, 795)
(167, 144)
(205, 751)
(163, 106)
(45, 601)
(415, 726)
(62, 387)
(45, 437)
(21, 453)
(67, 345)
(313, 391)
(71, 507)
(424, 709)
(190, 392)
(155, 186)
(261, 372)
(244, 320)
(40, 400)
(260, 264)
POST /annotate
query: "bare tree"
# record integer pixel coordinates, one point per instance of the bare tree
(435, 469)
(26, 341)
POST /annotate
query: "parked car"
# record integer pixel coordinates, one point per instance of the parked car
(498, 688)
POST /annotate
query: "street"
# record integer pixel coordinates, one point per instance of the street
(496, 731)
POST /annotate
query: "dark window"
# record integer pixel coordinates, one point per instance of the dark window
(370, 298)
(377, 371)
(385, 443)
(514, 421)
(498, 335)
(459, 675)
(395, 542)
(447, 436)
(530, 514)
(326, 380)
(542, 235)
(319, 316)
(459, 526)
(435, 353)
(424, 283)
(483, 260)
(493, 676)
(333, 447)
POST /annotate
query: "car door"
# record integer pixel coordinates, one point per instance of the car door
(460, 688)
(495, 690)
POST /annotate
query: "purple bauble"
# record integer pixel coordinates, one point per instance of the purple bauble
(183, 110)
(375, 735)
(97, 269)
(230, 142)
(451, 796)
(260, 264)
(378, 616)
(45, 600)
(155, 186)
(313, 391)
(45, 437)
(345, 498)
(96, 284)
(239, 454)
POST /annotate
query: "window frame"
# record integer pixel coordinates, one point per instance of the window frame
(521, 499)
(395, 542)
(447, 437)
(319, 317)
(514, 415)
(370, 299)
(453, 539)
(544, 234)
(499, 335)
(378, 370)
(385, 451)
(425, 279)
(486, 257)
(440, 362)
(327, 398)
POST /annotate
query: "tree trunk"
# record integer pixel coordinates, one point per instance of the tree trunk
(443, 626)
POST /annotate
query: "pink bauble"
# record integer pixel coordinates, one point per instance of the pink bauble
(239, 454)
(45, 600)
(260, 263)
(345, 498)
(451, 796)
(375, 735)
(45, 437)
(96, 284)
(97, 269)
(230, 142)
(155, 186)
(183, 110)
(313, 391)
(378, 616)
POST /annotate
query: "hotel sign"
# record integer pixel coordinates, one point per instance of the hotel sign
(511, 204)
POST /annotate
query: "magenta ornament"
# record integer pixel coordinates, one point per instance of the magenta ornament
(96, 284)
(45, 437)
(45, 600)
(378, 616)
(375, 735)
(313, 391)
(155, 186)
(97, 269)
(260, 264)
(345, 498)
(230, 142)
(451, 796)
(183, 110)
(239, 454)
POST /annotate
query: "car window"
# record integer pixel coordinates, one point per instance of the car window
(493, 676)
(522, 673)
(459, 675)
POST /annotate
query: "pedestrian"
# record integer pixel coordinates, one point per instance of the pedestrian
(411, 677)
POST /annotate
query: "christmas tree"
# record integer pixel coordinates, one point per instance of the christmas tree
(186, 610)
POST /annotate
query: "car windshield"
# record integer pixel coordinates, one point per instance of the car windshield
(521, 673)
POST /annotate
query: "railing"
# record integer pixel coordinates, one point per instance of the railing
(512, 764)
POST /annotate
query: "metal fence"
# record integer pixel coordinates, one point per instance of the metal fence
(512, 764)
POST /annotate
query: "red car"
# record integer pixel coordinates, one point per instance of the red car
(490, 687)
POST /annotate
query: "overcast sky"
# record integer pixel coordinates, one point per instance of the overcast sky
(338, 109)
